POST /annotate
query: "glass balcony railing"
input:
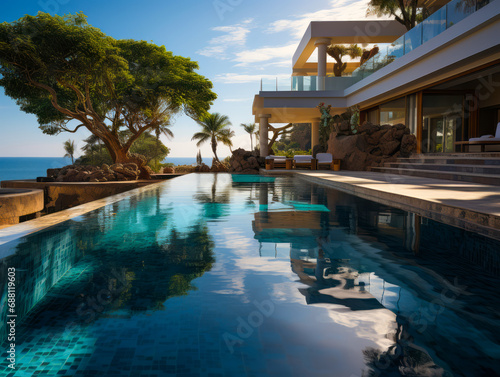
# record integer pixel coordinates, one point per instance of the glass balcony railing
(435, 24)
(305, 83)
(439, 21)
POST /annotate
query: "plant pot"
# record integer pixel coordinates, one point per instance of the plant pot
(336, 165)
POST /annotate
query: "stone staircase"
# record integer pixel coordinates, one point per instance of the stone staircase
(483, 168)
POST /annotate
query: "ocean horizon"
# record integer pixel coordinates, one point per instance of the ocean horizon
(12, 168)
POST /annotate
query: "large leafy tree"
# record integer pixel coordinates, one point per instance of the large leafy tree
(215, 128)
(71, 75)
(147, 145)
(406, 12)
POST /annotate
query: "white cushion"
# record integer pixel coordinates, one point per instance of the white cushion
(484, 137)
(324, 158)
(302, 158)
(497, 134)
(273, 157)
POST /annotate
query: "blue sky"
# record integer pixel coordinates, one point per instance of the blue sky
(236, 42)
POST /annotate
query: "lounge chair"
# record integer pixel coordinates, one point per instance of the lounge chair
(482, 141)
(488, 137)
(303, 161)
(325, 159)
(276, 161)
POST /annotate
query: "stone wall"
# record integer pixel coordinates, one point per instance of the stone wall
(372, 145)
(63, 195)
(247, 162)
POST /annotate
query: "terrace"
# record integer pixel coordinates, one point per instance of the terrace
(312, 76)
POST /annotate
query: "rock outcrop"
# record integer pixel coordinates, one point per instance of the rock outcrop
(243, 161)
(202, 168)
(88, 173)
(218, 167)
(372, 145)
(168, 170)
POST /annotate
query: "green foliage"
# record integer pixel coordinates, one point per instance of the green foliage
(407, 12)
(147, 145)
(214, 128)
(152, 149)
(292, 152)
(338, 52)
(63, 70)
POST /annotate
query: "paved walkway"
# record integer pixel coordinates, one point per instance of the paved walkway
(470, 206)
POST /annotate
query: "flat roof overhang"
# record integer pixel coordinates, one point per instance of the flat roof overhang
(366, 31)
(296, 107)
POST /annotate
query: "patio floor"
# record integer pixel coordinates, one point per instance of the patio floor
(470, 206)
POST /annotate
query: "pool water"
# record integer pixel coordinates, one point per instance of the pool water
(220, 275)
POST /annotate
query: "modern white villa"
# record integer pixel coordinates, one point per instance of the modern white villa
(441, 79)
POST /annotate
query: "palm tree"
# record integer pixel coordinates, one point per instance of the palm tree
(249, 128)
(215, 127)
(69, 148)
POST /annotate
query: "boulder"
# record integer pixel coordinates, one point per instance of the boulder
(168, 170)
(372, 145)
(89, 173)
(245, 162)
(408, 145)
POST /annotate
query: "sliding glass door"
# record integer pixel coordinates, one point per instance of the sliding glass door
(442, 122)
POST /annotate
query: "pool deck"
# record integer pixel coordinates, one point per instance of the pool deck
(470, 206)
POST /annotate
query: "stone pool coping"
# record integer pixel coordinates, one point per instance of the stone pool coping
(470, 206)
(23, 229)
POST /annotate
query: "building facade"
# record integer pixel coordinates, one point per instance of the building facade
(441, 78)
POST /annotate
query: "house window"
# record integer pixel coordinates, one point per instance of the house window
(393, 112)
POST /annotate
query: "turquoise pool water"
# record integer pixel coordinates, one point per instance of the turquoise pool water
(215, 275)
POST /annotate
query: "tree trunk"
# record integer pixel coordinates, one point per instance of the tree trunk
(120, 155)
(251, 142)
(214, 149)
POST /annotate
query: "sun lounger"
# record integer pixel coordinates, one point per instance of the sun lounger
(276, 161)
(304, 161)
(482, 141)
(325, 159)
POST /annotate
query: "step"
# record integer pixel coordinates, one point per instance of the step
(453, 176)
(458, 168)
(452, 160)
(453, 155)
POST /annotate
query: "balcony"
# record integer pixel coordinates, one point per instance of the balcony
(306, 83)
(441, 20)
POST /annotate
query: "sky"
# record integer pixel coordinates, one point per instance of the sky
(235, 42)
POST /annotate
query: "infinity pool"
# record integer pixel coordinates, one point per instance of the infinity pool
(220, 275)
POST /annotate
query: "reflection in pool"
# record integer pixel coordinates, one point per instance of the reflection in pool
(214, 275)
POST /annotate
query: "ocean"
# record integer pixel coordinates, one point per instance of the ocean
(29, 167)
(32, 167)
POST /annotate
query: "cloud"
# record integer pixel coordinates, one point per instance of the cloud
(339, 10)
(234, 36)
(236, 78)
(265, 54)
(235, 99)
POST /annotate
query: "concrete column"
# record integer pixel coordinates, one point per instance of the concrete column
(264, 134)
(314, 133)
(322, 45)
